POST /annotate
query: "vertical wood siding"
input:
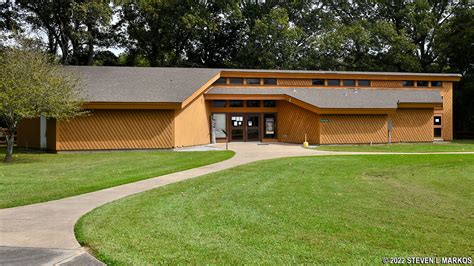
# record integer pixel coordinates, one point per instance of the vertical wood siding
(447, 122)
(117, 129)
(386, 83)
(295, 82)
(352, 129)
(412, 125)
(28, 134)
(293, 122)
(192, 124)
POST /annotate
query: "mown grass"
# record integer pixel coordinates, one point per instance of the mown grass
(38, 177)
(328, 210)
(454, 146)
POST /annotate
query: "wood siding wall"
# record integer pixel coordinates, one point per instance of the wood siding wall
(353, 129)
(117, 129)
(447, 122)
(28, 135)
(295, 82)
(412, 125)
(192, 124)
(293, 122)
(386, 83)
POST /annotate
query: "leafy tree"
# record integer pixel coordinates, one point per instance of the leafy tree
(72, 27)
(105, 58)
(273, 42)
(46, 90)
(160, 30)
(218, 30)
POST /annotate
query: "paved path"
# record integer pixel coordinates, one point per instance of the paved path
(43, 233)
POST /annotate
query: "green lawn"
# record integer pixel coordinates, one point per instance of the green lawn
(454, 146)
(42, 177)
(334, 209)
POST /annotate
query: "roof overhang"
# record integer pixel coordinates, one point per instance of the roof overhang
(300, 103)
(433, 105)
(341, 75)
(130, 105)
(330, 101)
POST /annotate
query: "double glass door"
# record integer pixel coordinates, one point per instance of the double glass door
(244, 127)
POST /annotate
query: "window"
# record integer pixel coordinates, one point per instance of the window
(236, 103)
(436, 83)
(408, 83)
(269, 103)
(253, 103)
(220, 81)
(334, 82)
(236, 81)
(318, 82)
(349, 82)
(253, 81)
(437, 120)
(270, 81)
(219, 103)
(437, 132)
(269, 126)
(422, 83)
(364, 82)
(219, 125)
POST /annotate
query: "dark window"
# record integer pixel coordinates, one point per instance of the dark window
(437, 132)
(219, 103)
(236, 103)
(236, 81)
(253, 103)
(253, 81)
(422, 83)
(270, 81)
(220, 81)
(237, 134)
(349, 82)
(437, 120)
(318, 82)
(269, 103)
(334, 82)
(364, 82)
(436, 83)
(408, 83)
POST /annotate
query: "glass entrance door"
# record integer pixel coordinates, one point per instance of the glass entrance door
(253, 127)
(237, 127)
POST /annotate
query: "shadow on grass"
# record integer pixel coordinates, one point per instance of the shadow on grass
(18, 159)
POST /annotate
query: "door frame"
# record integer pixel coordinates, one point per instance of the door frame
(244, 126)
(259, 115)
(229, 127)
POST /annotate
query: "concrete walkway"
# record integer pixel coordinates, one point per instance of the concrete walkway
(43, 233)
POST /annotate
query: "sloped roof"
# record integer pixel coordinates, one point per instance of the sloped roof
(175, 85)
(342, 98)
(141, 84)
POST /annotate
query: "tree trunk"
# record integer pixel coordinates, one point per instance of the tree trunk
(10, 142)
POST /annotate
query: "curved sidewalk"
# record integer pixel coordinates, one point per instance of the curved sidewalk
(43, 233)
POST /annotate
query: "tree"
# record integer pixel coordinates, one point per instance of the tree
(159, 30)
(72, 27)
(218, 27)
(273, 42)
(32, 86)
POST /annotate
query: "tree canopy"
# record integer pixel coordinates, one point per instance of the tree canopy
(363, 35)
(32, 86)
